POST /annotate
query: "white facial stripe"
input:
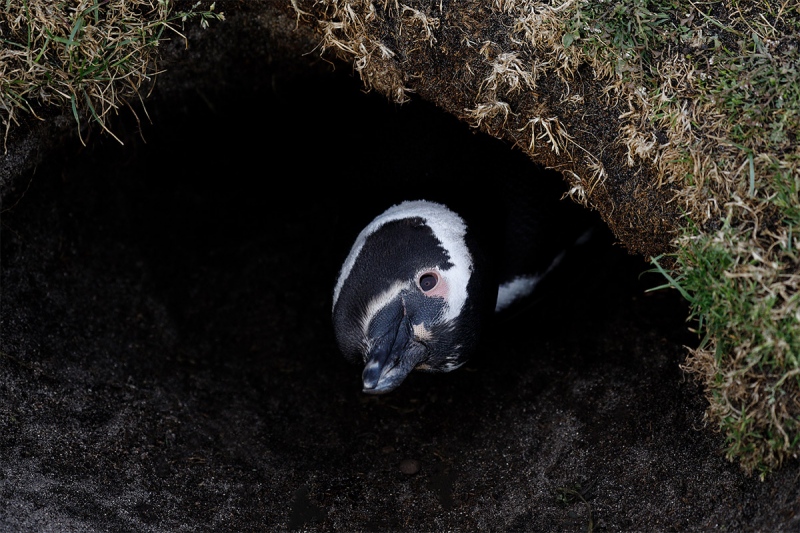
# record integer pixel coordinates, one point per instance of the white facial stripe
(447, 227)
(378, 303)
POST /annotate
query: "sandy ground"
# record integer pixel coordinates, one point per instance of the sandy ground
(167, 361)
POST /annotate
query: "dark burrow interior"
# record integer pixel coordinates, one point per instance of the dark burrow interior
(167, 359)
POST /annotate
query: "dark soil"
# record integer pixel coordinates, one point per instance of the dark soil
(167, 361)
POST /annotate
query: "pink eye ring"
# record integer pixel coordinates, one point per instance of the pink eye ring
(428, 281)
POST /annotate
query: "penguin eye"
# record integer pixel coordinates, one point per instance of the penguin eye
(428, 281)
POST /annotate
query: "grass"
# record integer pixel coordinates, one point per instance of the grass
(742, 276)
(713, 96)
(618, 35)
(730, 107)
(90, 56)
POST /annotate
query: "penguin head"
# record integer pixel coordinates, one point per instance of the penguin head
(411, 294)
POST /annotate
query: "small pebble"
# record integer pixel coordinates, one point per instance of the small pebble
(409, 466)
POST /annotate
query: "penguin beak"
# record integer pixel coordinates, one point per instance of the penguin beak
(392, 358)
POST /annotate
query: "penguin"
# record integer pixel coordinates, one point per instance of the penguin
(420, 283)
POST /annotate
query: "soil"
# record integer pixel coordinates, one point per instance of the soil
(167, 361)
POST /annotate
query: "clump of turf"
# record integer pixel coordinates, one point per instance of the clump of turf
(737, 257)
(714, 104)
(720, 83)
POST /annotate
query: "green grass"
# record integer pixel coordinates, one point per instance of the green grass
(743, 276)
(749, 317)
(621, 34)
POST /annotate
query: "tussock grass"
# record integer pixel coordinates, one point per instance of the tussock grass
(93, 56)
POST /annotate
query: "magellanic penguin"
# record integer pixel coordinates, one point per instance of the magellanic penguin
(416, 290)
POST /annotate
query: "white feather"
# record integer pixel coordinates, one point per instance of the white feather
(522, 286)
(515, 289)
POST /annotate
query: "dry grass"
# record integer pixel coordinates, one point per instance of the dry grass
(345, 30)
(93, 56)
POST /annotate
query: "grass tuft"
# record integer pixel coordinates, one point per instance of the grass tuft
(92, 55)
